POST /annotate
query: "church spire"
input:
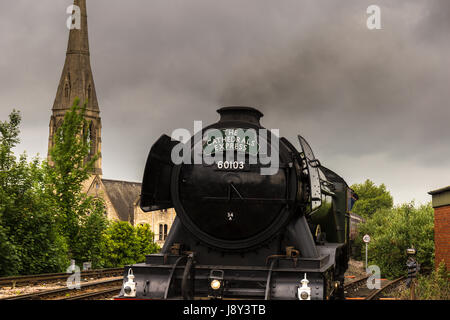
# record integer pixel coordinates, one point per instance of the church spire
(78, 39)
(77, 81)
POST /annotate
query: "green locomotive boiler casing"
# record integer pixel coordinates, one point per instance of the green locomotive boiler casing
(245, 228)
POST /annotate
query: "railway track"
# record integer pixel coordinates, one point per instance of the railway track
(378, 293)
(18, 281)
(370, 294)
(87, 290)
(355, 283)
(96, 295)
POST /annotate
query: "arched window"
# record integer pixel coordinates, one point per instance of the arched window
(163, 229)
(67, 91)
(92, 137)
(67, 86)
(160, 232)
(89, 92)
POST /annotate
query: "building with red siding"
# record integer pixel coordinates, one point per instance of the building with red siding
(441, 205)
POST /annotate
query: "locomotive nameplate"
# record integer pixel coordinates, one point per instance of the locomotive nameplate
(231, 140)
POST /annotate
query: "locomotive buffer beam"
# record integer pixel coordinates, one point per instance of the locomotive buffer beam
(273, 282)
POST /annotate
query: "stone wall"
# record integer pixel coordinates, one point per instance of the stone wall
(160, 222)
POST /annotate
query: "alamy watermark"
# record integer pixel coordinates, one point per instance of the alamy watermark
(374, 279)
(374, 20)
(74, 21)
(74, 280)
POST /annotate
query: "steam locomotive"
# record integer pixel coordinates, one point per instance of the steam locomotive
(256, 218)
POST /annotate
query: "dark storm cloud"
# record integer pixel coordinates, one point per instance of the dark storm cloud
(436, 22)
(379, 90)
(374, 104)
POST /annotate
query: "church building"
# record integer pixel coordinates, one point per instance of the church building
(121, 197)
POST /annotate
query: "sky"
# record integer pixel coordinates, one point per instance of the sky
(373, 104)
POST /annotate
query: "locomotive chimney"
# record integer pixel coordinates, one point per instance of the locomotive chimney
(237, 113)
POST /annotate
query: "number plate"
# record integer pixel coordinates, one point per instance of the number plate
(231, 166)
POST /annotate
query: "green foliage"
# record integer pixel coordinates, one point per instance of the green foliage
(65, 173)
(127, 245)
(144, 237)
(90, 243)
(394, 230)
(9, 258)
(46, 219)
(120, 244)
(9, 131)
(436, 286)
(30, 242)
(371, 198)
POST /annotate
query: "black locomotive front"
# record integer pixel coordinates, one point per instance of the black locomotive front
(255, 217)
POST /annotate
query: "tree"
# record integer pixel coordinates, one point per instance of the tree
(145, 242)
(90, 245)
(394, 230)
(126, 244)
(9, 258)
(371, 198)
(29, 239)
(121, 244)
(80, 217)
(46, 219)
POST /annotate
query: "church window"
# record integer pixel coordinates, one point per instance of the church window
(66, 90)
(92, 138)
(163, 229)
(89, 90)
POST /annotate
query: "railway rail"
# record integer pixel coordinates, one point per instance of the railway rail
(373, 294)
(17, 281)
(355, 283)
(87, 290)
(98, 295)
(377, 294)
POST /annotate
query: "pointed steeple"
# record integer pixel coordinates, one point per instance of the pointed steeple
(77, 81)
(76, 78)
(79, 39)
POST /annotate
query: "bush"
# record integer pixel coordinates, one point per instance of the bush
(145, 243)
(432, 287)
(126, 244)
(9, 258)
(392, 231)
(436, 286)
